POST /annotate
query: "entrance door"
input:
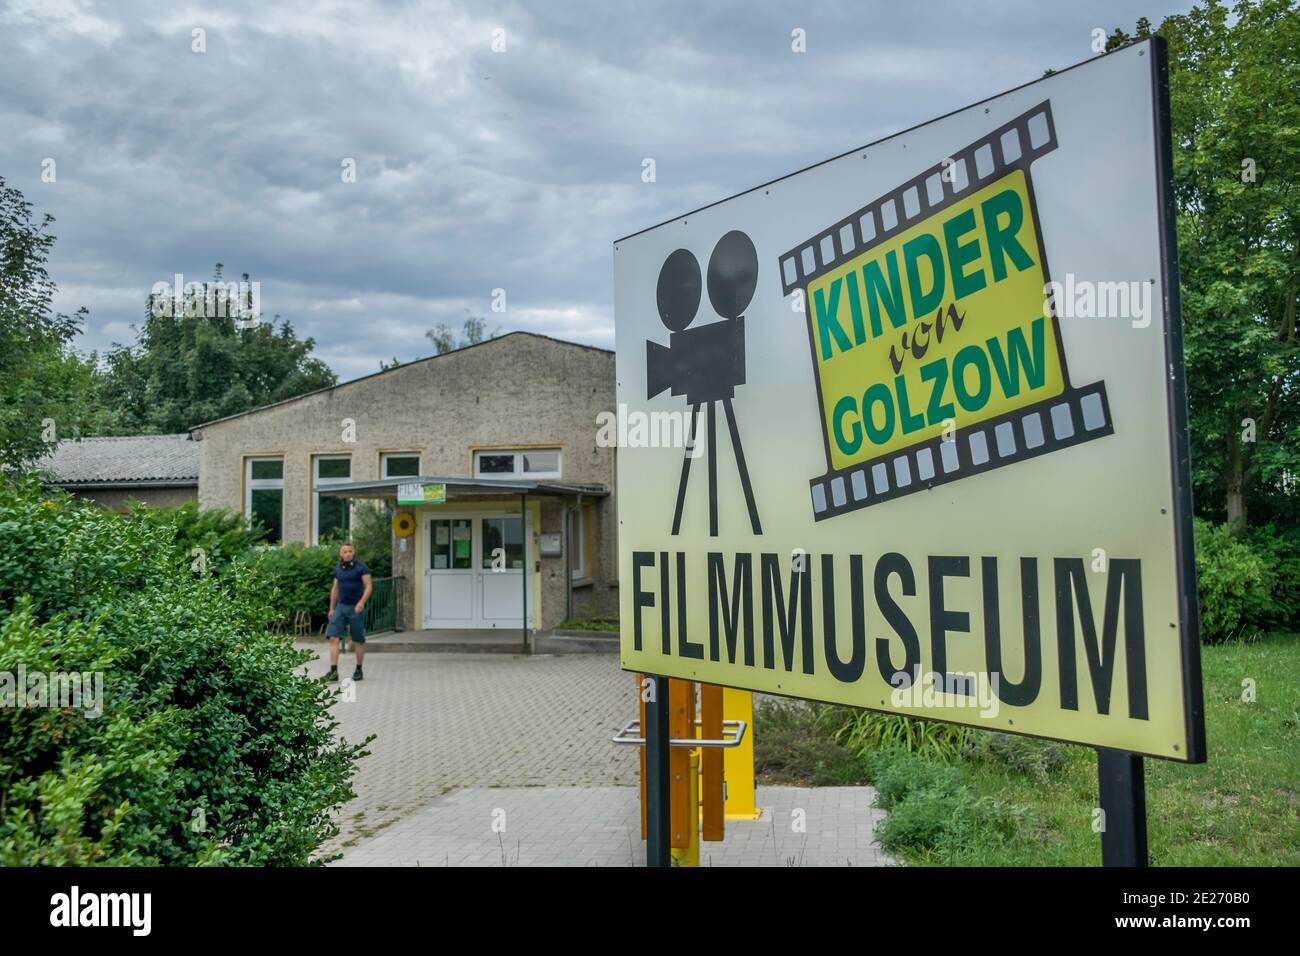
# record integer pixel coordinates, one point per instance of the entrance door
(501, 563)
(449, 578)
(474, 574)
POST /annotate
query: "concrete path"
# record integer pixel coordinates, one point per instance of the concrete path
(601, 826)
(451, 721)
(469, 744)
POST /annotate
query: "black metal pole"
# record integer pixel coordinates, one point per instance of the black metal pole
(658, 844)
(1122, 790)
(523, 532)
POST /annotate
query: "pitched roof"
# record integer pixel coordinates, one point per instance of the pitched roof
(195, 429)
(128, 460)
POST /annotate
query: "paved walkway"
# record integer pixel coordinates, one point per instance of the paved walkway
(497, 759)
(584, 826)
(451, 721)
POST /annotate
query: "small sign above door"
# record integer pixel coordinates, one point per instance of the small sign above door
(414, 493)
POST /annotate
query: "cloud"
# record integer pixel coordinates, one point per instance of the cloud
(476, 169)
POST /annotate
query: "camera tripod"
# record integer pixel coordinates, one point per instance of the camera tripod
(713, 466)
(708, 362)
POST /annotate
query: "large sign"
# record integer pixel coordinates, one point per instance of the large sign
(932, 434)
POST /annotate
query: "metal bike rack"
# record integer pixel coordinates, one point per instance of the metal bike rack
(631, 734)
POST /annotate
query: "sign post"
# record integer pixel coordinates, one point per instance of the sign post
(954, 357)
(1123, 808)
(657, 785)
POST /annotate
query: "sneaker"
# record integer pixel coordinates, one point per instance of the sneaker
(357, 675)
(333, 675)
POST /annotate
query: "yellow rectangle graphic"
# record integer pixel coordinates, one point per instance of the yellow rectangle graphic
(942, 325)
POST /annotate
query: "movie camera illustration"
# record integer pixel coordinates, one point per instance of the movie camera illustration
(706, 363)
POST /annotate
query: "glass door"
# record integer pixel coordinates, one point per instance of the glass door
(449, 575)
(500, 568)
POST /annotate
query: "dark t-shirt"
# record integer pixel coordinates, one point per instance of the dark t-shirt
(351, 587)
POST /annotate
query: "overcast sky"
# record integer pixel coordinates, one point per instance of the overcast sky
(475, 169)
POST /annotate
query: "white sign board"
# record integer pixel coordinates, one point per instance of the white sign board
(938, 463)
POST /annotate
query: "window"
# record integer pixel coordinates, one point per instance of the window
(525, 463)
(450, 542)
(578, 542)
(333, 515)
(264, 496)
(401, 465)
(505, 535)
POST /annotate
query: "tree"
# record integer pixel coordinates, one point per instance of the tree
(1235, 103)
(475, 331)
(45, 387)
(207, 359)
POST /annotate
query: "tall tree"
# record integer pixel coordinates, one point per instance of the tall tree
(203, 358)
(1235, 100)
(45, 387)
(475, 331)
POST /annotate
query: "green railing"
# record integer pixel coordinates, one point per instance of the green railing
(384, 610)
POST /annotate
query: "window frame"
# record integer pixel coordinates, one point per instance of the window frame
(317, 482)
(578, 545)
(386, 456)
(518, 470)
(252, 484)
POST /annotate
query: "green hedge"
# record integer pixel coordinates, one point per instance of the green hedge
(211, 537)
(214, 746)
(1246, 583)
(298, 578)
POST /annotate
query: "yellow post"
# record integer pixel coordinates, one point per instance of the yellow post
(738, 767)
(690, 855)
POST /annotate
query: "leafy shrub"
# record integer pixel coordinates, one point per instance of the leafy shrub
(222, 535)
(1280, 551)
(897, 773)
(372, 534)
(213, 745)
(1234, 582)
(948, 823)
(792, 747)
(298, 578)
(932, 811)
(1028, 755)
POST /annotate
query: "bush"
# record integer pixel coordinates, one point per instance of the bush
(791, 747)
(1028, 755)
(372, 534)
(933, 812)
(298, 578)
(896, 774)
(213, 745)
(221, 535)
(1234, 583)
(1280, 551)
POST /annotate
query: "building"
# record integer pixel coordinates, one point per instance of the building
(494, 431)
(111, 472)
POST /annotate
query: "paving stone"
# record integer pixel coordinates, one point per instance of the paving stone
(468, 741)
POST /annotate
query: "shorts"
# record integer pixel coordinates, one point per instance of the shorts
(347, 618)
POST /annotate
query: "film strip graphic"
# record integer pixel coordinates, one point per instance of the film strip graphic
(1077, 415)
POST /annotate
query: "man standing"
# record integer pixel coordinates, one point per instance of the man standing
(348, 597)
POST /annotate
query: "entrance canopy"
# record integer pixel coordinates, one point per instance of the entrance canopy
(461, 489)
(471, 564)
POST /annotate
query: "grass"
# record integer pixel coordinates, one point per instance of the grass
(597, 624)
(1009, 801)
(1241, 807)
(794, 745)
